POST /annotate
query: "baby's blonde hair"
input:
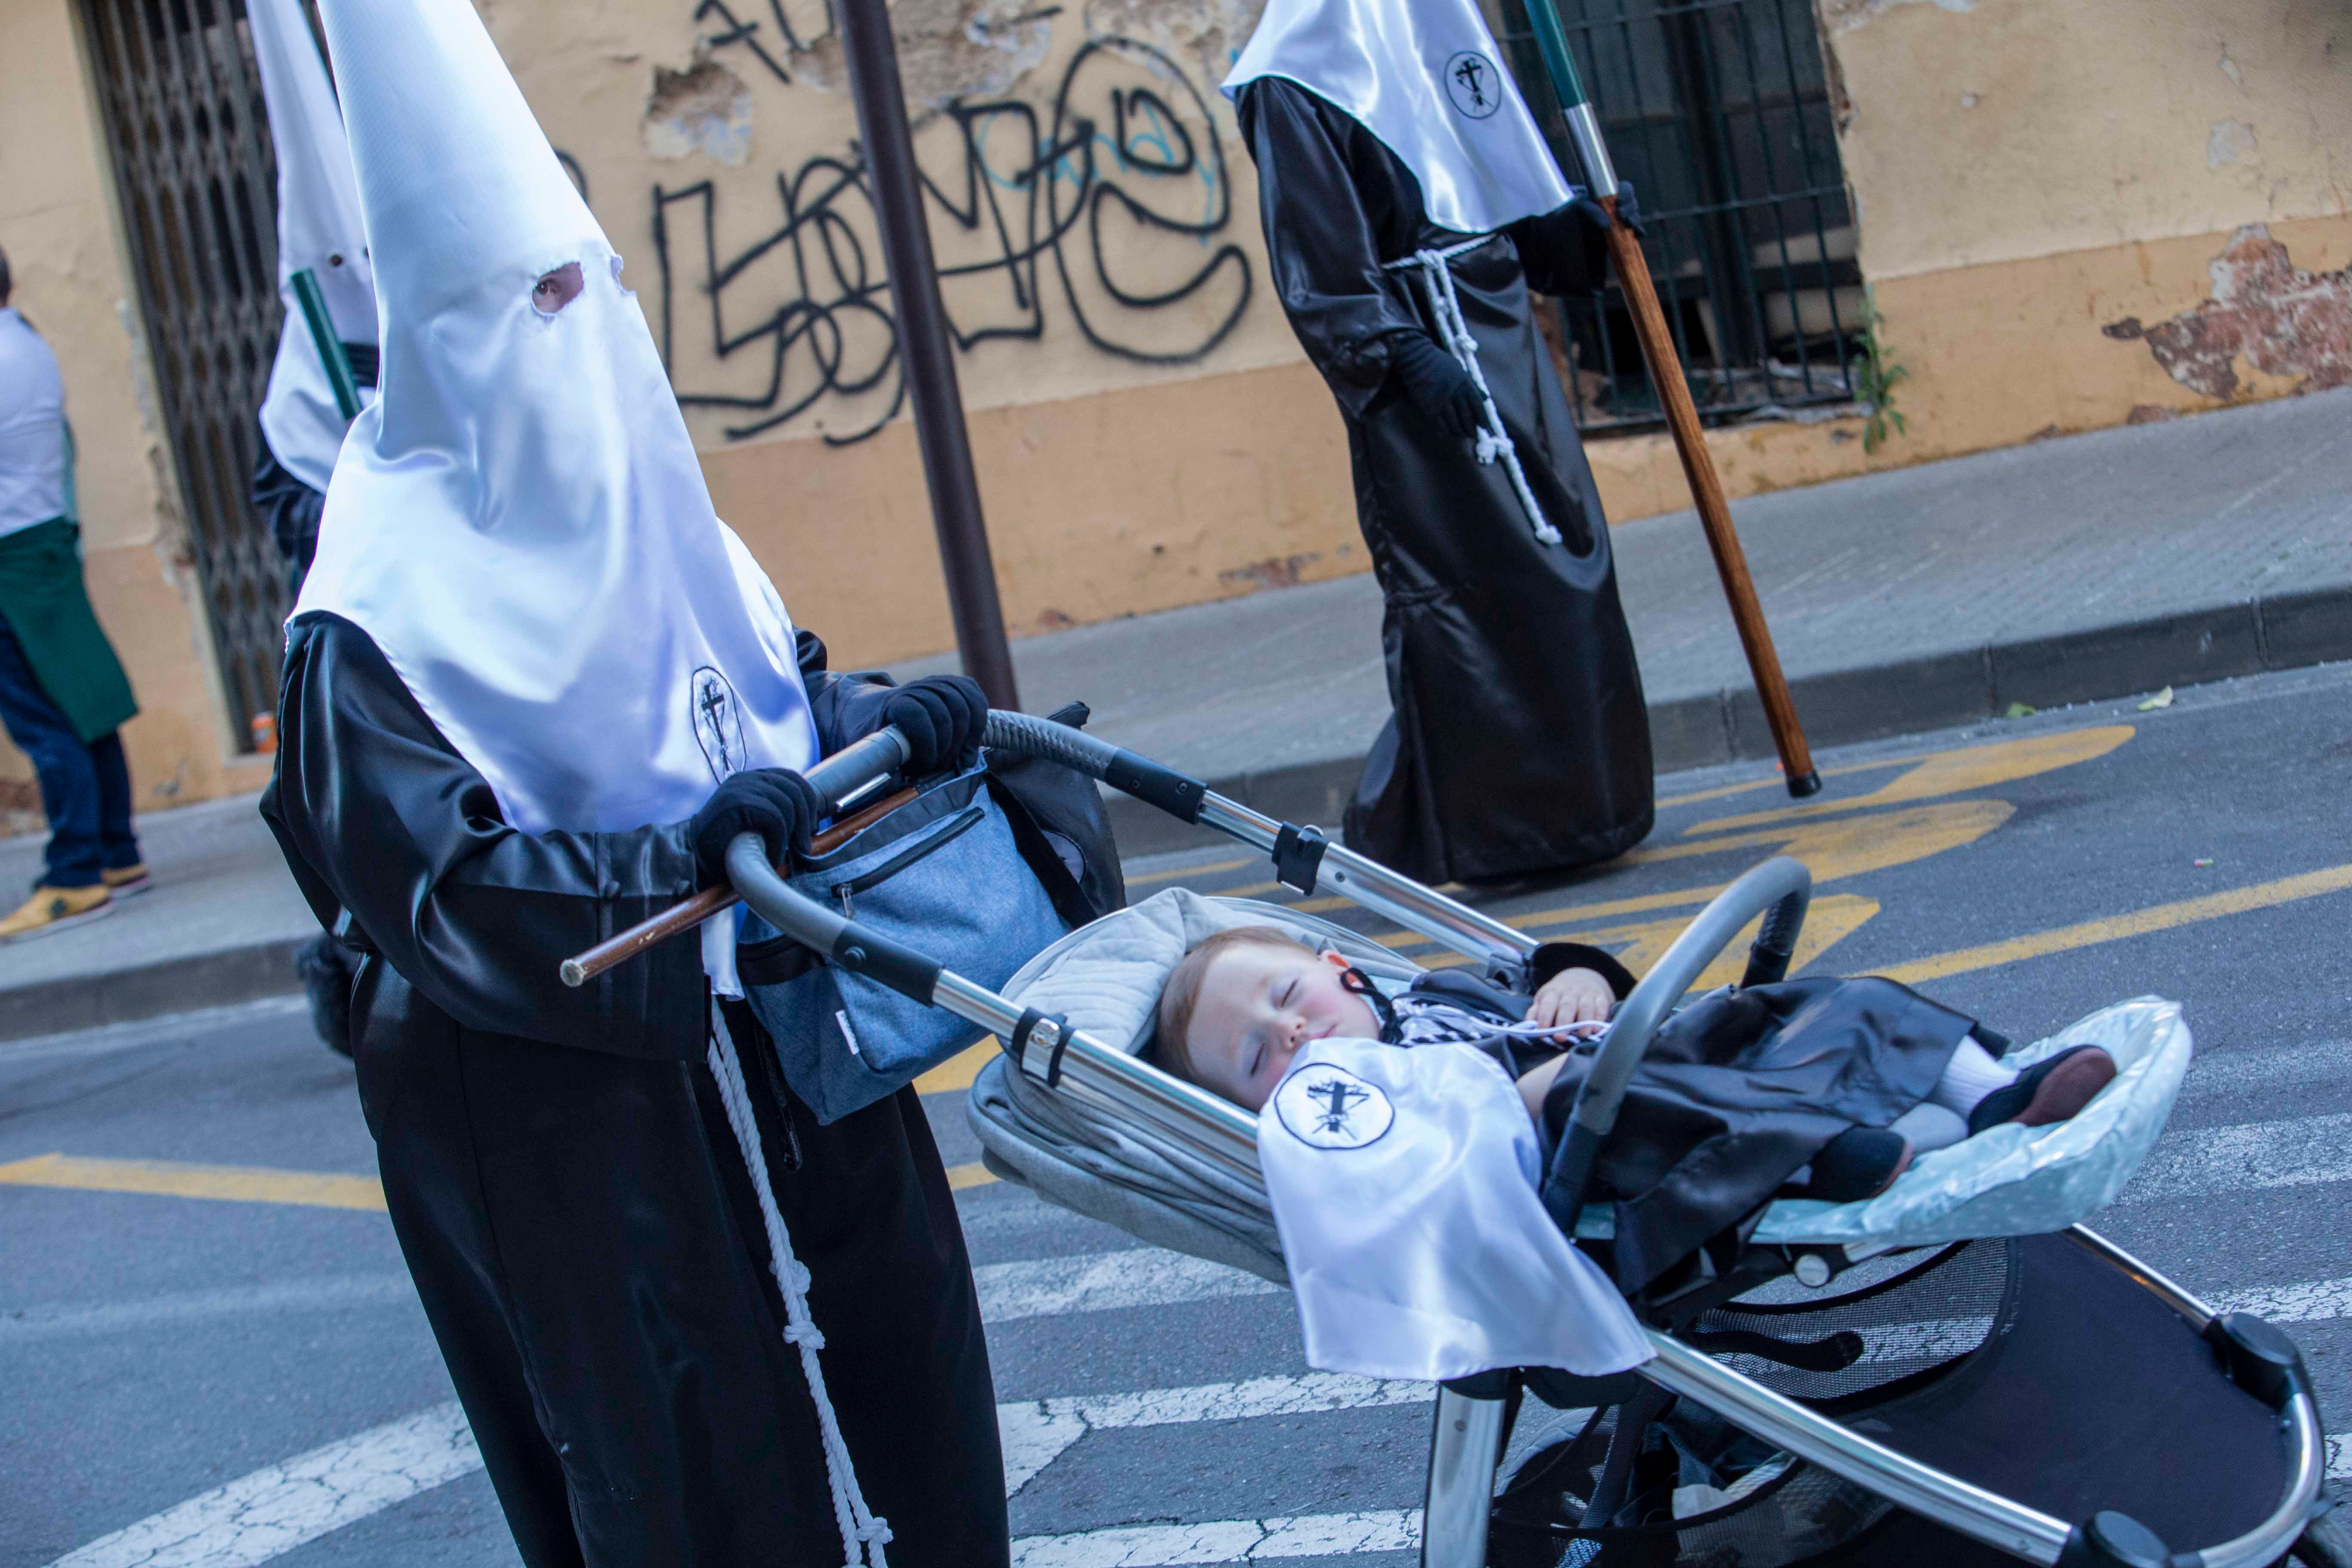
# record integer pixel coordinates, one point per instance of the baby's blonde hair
(1182, 994)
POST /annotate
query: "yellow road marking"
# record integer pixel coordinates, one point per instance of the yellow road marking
(1209, 870)
(171, 1178)
(957, 1072)
(2115, 928)
(1831, 849)
(1720, 791)
(1950, 773)
(254, 1184)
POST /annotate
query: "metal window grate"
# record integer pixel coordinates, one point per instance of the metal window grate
(1719, 113)
(198, 182)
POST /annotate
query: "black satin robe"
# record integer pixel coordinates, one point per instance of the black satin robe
(570, 1200)
(1521, 743)
(1736, 1094)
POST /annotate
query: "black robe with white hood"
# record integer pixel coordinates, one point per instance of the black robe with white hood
(526, 652)
(1398, 171)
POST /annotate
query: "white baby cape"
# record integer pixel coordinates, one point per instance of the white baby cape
(1403, 1185)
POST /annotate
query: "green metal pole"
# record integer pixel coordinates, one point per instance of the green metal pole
(1583, 125)
(329, 345)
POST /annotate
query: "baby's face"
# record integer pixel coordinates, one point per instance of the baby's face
(1257, 1006)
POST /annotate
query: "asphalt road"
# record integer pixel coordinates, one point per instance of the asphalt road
(230, 1359)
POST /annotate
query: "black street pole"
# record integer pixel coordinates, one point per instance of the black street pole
(873, 59)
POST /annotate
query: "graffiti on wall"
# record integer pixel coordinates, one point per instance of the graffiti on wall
(1107, 211)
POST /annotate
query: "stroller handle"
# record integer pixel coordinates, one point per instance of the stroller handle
(847, 775)
(1780, 889)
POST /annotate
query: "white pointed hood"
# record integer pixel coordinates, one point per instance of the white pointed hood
(1425, 76)
(319, 227)
(519, 519)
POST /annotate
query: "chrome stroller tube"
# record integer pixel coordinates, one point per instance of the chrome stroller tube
(1300, 854)
(1780, 889)
(1216, 1130)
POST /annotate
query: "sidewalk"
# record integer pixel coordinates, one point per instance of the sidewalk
(2067, 570)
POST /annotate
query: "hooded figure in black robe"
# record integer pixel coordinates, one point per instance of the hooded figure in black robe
(1521, 743)
(533, 687)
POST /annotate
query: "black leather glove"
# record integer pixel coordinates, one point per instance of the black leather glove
(777, 804)
(1437, 384)
(941, 716)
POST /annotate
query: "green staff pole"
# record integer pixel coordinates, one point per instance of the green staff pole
(329, 345)
(1675, 397)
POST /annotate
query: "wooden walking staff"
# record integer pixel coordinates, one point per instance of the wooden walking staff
(1674, 393)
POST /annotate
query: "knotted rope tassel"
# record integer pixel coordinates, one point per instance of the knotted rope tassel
(1445, 308)
(862, 1534)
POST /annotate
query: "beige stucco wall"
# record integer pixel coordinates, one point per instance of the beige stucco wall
(2050, 199)
(57, 223)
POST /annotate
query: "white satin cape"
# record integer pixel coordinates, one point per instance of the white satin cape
(319, 227)
(1403, 1185)
(1426, 78)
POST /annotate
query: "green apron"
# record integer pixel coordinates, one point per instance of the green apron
(43, 603)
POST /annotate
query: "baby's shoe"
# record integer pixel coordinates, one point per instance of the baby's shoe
(2047, 1091)
(1859, 1163)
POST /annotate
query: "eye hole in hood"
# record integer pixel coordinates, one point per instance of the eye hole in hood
(556, 289)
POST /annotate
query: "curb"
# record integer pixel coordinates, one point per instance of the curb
(2279, 631)
(220, 979)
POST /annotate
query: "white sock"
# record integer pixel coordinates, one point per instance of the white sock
(1930, 1126)
(1971, 1074)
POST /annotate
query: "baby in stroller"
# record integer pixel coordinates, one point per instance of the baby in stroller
(1823, 1089)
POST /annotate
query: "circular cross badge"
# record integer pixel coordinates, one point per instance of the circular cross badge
(1473, 84)
(1326, 1107)
(718, 722)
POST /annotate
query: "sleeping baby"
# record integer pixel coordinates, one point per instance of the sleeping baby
(1820, 1088)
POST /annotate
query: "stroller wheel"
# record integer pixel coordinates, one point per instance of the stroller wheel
(2326, 1542)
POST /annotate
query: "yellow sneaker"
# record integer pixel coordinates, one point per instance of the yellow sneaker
(51, 910)
(125, 881)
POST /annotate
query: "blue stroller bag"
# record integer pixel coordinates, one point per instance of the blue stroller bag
(943, 871)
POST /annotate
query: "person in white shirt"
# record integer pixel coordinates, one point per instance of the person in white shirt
(63, 694)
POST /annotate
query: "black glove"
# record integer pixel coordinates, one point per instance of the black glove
(777, 804)
(1628, 209)
(941, 717)
(1567, 250)
(1437, 384)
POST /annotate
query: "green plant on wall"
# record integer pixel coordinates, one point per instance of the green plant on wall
(1874, 381)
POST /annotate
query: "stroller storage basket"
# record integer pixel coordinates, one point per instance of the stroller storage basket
(1897, 1395)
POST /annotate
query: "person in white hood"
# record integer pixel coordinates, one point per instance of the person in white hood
(533, 687)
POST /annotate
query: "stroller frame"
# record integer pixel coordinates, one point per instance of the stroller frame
(1468, 1442)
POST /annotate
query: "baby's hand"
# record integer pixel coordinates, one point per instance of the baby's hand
(1572, 996)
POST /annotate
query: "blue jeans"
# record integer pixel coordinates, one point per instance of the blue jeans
(84, 789)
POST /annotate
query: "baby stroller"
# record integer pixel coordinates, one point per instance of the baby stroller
(1952, 1372)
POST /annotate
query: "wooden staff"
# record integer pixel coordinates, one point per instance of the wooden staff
(1682, 414)
(583, 967)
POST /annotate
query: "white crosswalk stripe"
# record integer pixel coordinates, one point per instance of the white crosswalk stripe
(1038, 1432)
(1106, 1282)
(263, 1515)
(2249, 1157)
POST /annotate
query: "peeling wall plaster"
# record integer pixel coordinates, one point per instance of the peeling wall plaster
(704, 108)
(948, 49)
(2283, 320)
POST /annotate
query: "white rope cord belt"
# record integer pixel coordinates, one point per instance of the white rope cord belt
(1445, 308)
(862, 1534)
